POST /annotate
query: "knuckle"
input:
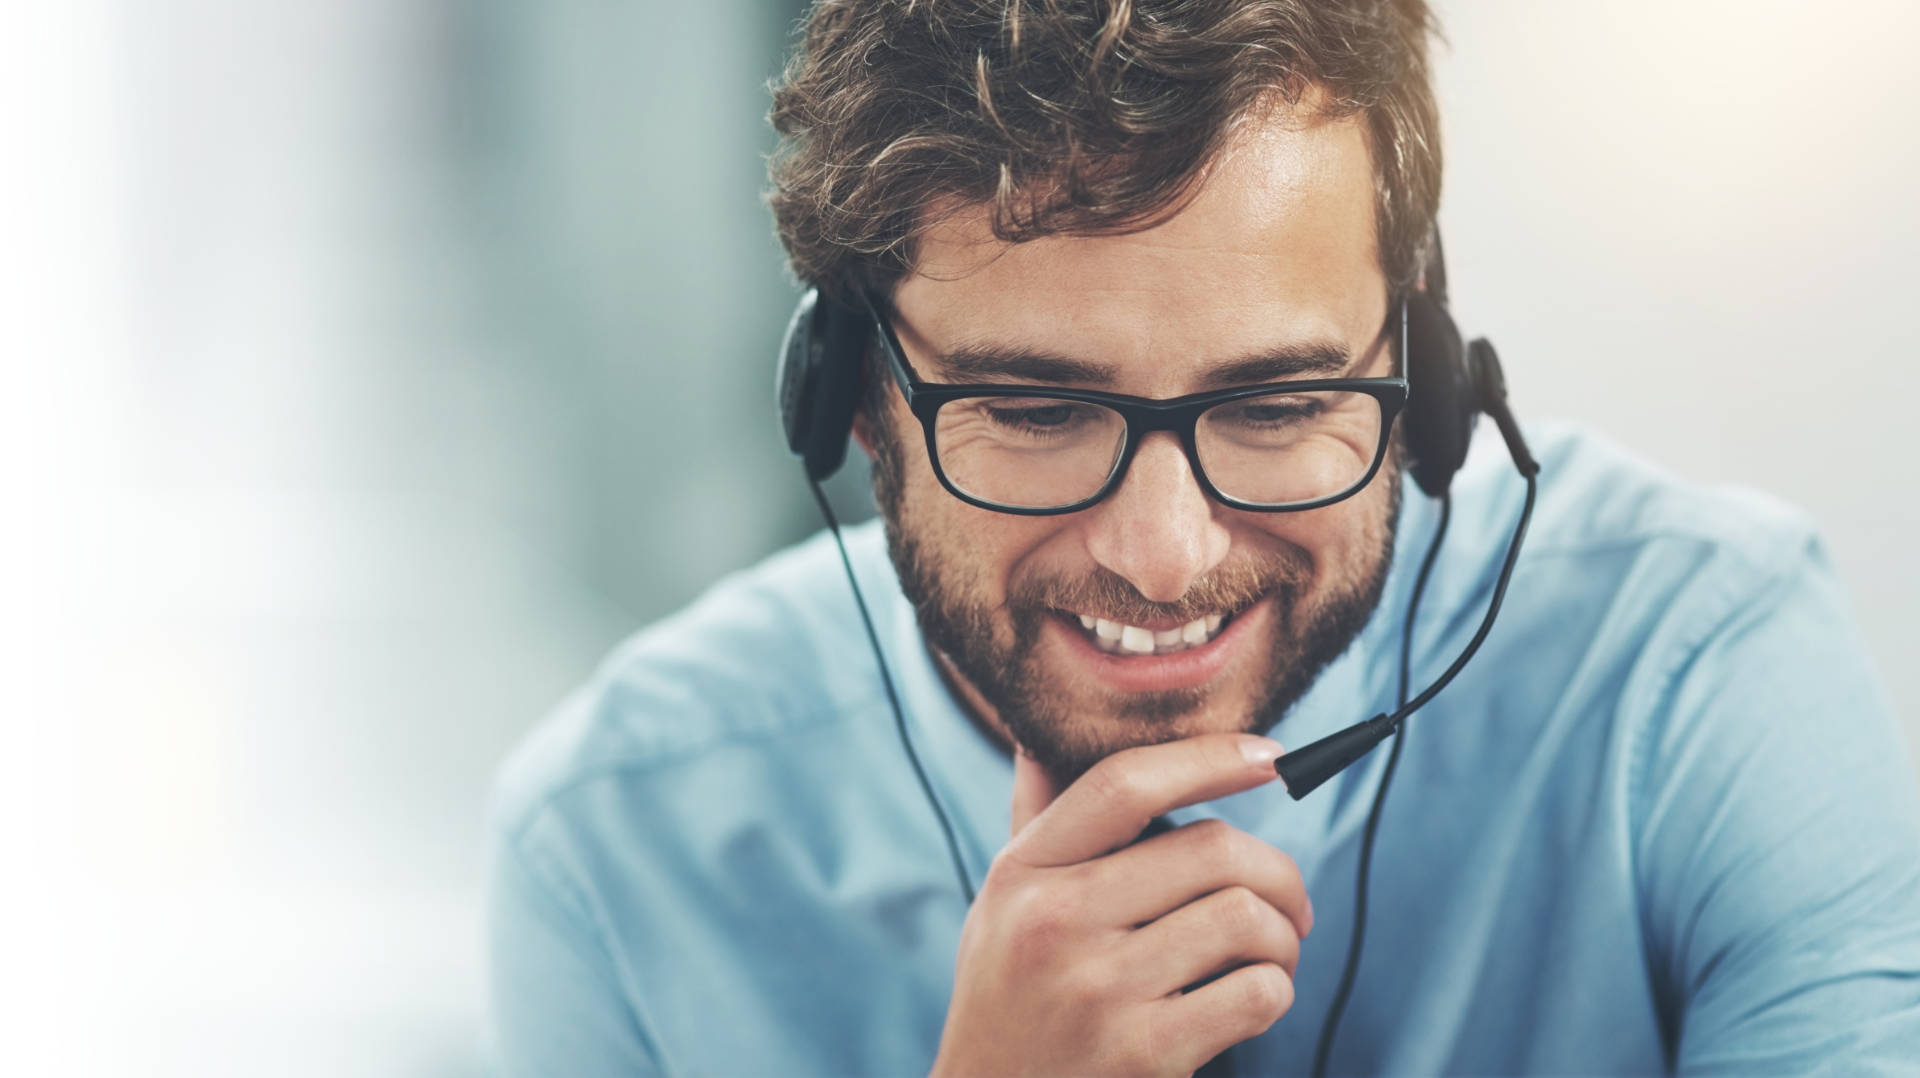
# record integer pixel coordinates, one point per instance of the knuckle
(1211, 834)
(1085, 984)
(1289, 868)
(1118, 780)
(1267, 993)
(1003, 873)
(1038, 940)
(1290, 953)
(1042, 920)
(1243, 913)
(1220, 844)
(1292, 880)
(1280, 943)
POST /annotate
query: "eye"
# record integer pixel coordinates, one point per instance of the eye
(1272, 411)
(1034, 415)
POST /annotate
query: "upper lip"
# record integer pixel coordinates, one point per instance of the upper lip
(1156, 625)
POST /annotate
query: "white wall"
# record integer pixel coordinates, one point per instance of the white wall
(1693, 223)
(349, 336)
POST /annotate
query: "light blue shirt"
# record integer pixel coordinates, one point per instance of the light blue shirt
(1664, 822)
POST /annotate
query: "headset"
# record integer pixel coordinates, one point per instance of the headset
(1451, 383)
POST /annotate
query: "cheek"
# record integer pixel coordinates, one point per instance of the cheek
(1341, 540)
(998, 549)
(975, 552)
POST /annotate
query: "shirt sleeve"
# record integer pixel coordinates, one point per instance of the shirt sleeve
(1778, 846)
(557, 1006)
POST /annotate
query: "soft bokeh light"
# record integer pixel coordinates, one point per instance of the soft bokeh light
(375, 366)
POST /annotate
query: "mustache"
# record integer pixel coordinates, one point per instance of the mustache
(1104, 593)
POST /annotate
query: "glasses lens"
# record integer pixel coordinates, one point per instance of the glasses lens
(1289, 448)
(1029, 452)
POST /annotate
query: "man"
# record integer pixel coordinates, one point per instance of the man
(1661, 823)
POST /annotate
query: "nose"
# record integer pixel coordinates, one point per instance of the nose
(1158, 529)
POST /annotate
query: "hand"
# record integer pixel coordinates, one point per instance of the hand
(1084, 955)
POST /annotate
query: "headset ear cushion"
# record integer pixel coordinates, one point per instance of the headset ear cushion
(1441, 400)
(818, 383)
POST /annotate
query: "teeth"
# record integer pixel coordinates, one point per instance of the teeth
(1113, 636)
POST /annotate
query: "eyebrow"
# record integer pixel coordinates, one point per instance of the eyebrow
(1032, 365)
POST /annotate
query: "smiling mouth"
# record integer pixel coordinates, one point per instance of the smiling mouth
(1119, 638)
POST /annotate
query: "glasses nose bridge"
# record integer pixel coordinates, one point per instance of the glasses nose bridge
(1144, 420)
(1180, 418)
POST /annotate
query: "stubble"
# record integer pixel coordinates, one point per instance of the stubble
(1035, 708)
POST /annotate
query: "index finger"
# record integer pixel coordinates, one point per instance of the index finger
(1110, 805)
(1033, 790)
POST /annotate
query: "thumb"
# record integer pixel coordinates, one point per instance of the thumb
(1033, 789)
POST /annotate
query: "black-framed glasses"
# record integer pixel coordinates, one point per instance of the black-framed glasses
(1040, 450)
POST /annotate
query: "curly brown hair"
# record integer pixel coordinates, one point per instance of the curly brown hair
(1083, 116)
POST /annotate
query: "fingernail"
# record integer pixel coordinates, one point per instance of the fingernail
(1260, 750)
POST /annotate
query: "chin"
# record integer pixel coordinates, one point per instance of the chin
(1088, 728)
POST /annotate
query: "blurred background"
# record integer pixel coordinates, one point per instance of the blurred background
(374, 366)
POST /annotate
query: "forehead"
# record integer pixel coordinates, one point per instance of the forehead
(1277, 247)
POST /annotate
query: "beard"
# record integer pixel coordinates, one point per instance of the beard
(1036, 709)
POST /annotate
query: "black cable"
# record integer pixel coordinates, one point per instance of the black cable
(1325, 1047)
(1323, 1052)
(893, 698)
(1493, 607)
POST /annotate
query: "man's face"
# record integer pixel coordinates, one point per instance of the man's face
(1276, 251)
